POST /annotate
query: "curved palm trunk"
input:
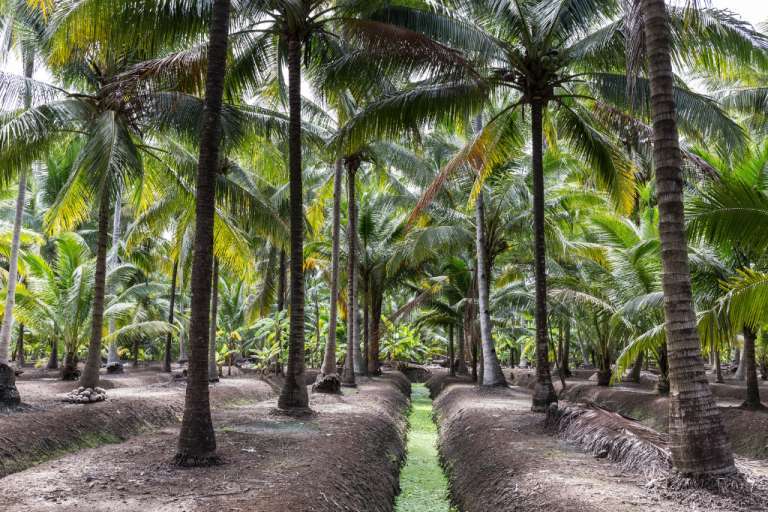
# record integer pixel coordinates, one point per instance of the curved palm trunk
(169, 337)
(753, 391)
(113, 359)
(90, 375)
(544, 391)
(698, 441)
(294, 394)
(328, 380)
(213, 370)
(197, 441)
(348, 379)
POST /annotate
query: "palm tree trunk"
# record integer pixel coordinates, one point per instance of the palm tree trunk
(544, 391)
(565, 363)
(20, 347)
(373, 354)
(366, 315)
(280, 306)
(753, 391)
(698, 441)
(741, 370)
(213, 370)
(329, 358)
(182, 347)
(113, 359)
(53, 361)
(90, 375)
(348, 379)
(197, 440)
(451, 371)
(317, 331)
(357, 352)
(718, 370)
(169, 337)
(461, 367)
(294, 394)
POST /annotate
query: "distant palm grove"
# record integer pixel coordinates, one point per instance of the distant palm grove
(317, 193)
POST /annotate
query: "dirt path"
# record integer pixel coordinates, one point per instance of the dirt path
(500, 457)
(345, 457)
(424, 487)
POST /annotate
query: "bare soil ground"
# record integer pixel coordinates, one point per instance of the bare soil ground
(346, 456)
(140, 400)
(748, 430)
(500, 457)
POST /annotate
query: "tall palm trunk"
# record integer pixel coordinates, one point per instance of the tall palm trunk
(698, 441)
(348, 379)
(544, 391)
(113, 359)
(8, 392)
(718, 369)
(169, 337)
(20, 347)
(213, 370)
(491, 369)
(197, 441)
(280, 307)
(565, 360)
(461, 367)
(373, 354)
(753, 391)
(90, 375)
(182, 345)
(294, 394)
(328, 380)
(366, 315)
(451, 370)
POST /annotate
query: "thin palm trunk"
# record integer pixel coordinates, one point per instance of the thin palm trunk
(348, 379)
(169, 337)
(53, 361)
(20, 347)
(197, 440)
(544, 391)
(366, 315)
(698, 441)
(328, 380)
(294, 394)
(90, 375)
(113, 358)
(280, 307)
(451, 371)
(718, 369)
(373, 355)
(565, 361)
(461, 367)
(753, 391)
(182, 345)
(213, 370)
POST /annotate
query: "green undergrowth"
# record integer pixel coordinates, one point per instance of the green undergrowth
(423, 486)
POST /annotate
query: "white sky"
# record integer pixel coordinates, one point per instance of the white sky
(753, 11)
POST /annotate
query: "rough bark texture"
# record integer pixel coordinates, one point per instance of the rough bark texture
(197, 440)
(90, 375)
(169, 337)
(348, 379)
(294, 395)
(213, 370)
(328, 368)
(544, 392)
(114, 358)
(698, 442)
(753, 391)
(634, 375)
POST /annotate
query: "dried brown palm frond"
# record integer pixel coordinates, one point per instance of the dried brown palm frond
(612, 436)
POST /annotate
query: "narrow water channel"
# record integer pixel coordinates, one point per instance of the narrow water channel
(423, 486)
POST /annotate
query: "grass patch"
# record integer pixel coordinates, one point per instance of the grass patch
(423, 486)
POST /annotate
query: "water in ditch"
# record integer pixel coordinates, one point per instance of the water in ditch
(423, 486)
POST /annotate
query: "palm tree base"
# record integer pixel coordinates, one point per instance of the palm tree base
(542, 397)
(662, 387)
(9, 395)
(604, 378)
(330, 384)
(114, 368)
(753, 407)
(188, 460)
(348, 384)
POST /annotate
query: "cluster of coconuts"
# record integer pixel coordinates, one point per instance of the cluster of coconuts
(542, 67)
(83, 395)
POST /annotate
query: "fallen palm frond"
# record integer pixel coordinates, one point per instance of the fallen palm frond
(610, 435)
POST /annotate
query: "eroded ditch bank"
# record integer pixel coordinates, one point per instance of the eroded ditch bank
(423, 486)
(500, 457)
(29, 438)
(345, 457)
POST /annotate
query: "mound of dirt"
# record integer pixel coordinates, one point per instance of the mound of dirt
(346, 456)
(418, 374)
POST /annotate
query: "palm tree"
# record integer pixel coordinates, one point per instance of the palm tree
(197, 440)
(693, 417)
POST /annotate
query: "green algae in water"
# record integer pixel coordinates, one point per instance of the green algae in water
(423, 486)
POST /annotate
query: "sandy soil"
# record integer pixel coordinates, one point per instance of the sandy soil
(500, 457)
(344, 457)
